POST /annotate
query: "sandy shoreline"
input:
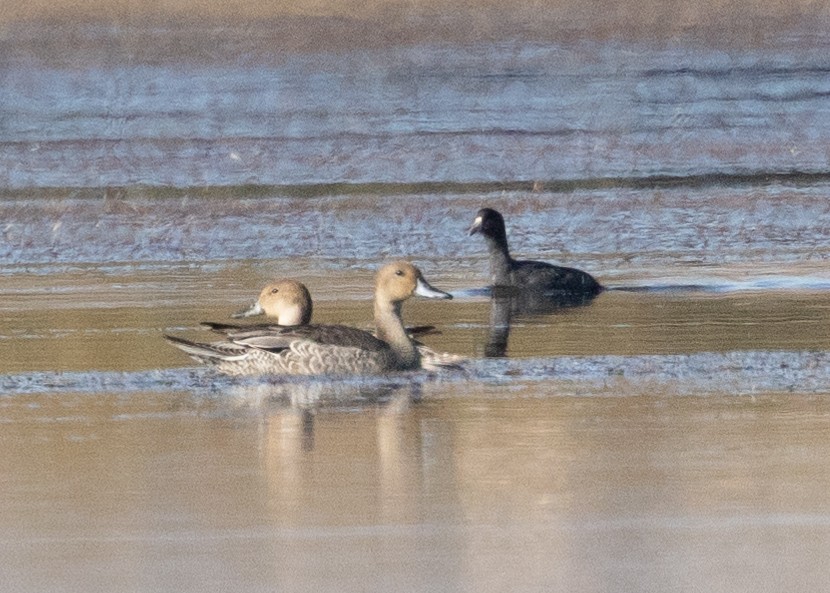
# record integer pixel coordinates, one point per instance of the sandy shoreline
(328, 25)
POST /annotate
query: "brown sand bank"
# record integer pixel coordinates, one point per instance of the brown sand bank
(325, 24)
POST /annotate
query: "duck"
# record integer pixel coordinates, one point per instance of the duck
(528, 276)
(288, 303)
(317, 349)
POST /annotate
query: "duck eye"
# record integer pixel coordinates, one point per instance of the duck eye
(275, 290)
(398, 272)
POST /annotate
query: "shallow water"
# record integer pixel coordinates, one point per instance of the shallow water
(409, 113)
(670, 435)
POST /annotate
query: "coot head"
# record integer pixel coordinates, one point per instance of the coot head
(489, 223)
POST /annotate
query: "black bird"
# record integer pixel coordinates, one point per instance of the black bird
(528, 276)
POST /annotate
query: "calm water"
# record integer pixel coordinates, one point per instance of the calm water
(427, 113)
(669, 436)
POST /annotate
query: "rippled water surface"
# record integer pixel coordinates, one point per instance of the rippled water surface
(669, 435)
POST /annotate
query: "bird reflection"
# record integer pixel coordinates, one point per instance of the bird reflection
(293, 405)
(507, 303)
(500, 315)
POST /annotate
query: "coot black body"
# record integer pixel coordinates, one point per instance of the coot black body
(536, 277)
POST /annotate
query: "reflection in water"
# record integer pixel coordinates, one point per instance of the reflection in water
(505, 303)
(496, 345)
(332, 455)
(295, 404)
(318, 392)
(472, 490)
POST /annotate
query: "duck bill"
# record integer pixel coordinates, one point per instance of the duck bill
(423, 288)
(255, 309)
(476, 227)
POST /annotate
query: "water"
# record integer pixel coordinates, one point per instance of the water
(498, 112)
(670, 435)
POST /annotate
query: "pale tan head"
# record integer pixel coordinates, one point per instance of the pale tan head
(287, 302)
(399, 280)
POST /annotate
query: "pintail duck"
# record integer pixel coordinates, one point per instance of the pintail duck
(288, 302)
(313, 349)
(528, 276)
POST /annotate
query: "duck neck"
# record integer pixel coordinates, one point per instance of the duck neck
(294, 315)
(391, 330)
(499, 260)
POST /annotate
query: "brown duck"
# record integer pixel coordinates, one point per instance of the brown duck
(314, 349)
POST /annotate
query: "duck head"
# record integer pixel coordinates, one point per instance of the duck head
(288, 302)
(399, 280)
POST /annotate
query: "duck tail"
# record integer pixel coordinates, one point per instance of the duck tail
(439, 361)
(220, 327)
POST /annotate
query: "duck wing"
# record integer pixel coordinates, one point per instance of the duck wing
(421, 330)
(230, 328)
(242, 330)
(276, 337)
